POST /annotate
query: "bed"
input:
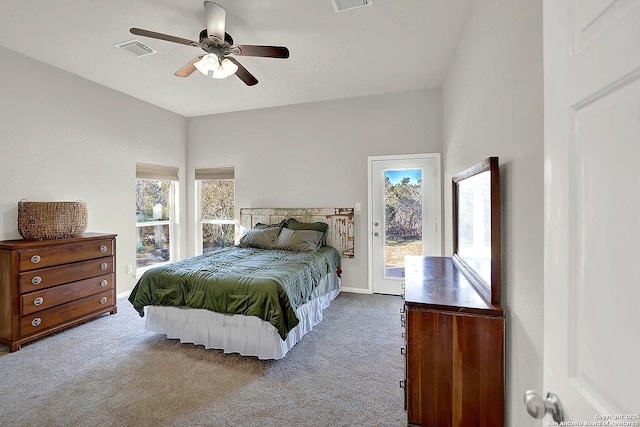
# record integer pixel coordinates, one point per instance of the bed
(260, 297)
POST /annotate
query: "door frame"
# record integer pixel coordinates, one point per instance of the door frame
(370, 160)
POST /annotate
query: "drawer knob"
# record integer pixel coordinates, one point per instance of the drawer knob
(104, 266)
(103, 283)
(36, 280)
(38, 301)
(35, 259)
(36, 321)
(103, 248)
(103, 300)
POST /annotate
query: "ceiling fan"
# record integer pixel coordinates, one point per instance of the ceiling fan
(218, 46)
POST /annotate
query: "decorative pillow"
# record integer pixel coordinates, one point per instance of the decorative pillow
(298, 240)
(259, 238)
(294, 224)
(260, 225)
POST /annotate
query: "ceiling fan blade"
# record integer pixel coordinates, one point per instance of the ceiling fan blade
(264, 51)
(215, 17)
(243, 74)
(160, 36)
(189, 68)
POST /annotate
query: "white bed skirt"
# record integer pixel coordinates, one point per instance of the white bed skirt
(236, 333)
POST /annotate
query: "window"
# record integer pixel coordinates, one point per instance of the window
(215, 188)
(156, 195)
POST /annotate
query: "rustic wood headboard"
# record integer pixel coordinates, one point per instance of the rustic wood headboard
(340, 221)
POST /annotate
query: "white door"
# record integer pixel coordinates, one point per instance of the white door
(404, 216)
(592, 208)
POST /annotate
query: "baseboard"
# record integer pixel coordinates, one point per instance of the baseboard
(356, 290)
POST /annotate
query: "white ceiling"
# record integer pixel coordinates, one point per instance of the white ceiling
(390, 46)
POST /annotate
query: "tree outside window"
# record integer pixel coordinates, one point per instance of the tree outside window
(217, 217)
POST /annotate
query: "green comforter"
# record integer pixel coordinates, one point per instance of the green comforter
(270, 284)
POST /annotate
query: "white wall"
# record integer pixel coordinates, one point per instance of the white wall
(64, 138)
(493, 106)
(315, 155)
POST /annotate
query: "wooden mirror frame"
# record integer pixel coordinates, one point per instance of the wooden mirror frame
(489, 291)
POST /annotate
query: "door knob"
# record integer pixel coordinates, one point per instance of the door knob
(538, 407)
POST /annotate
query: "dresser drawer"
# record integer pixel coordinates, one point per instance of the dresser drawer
(34, 258)
(50, 297)
(47, 277)
(42, 320)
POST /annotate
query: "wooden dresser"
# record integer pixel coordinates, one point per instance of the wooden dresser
(49, 285)
(454, 348)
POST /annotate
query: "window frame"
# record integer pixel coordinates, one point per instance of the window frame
(152, 172)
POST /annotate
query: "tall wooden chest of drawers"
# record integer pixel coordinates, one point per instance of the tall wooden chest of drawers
(49, 285)
(454, 348)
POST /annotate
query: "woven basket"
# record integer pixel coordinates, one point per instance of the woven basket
(51, 220)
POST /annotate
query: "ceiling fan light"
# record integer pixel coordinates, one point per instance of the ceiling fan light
(229, 67)
(219, 73)
(202, 67)
(211, 61)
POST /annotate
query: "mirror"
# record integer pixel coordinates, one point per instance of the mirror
(476, 226)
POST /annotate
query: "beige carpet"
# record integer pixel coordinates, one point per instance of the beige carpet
(111, 372)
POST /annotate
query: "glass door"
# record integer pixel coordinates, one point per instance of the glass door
(404, 216)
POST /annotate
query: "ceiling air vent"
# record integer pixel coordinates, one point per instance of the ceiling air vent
(136, 47)
(341, 5)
